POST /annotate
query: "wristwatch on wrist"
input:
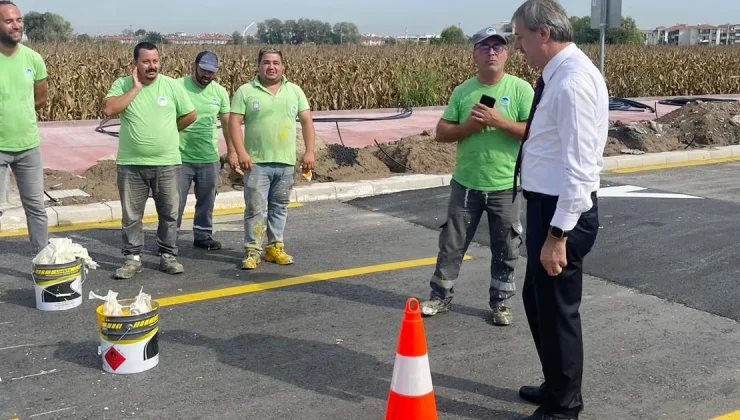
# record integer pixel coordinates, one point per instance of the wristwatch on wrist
(558, 233)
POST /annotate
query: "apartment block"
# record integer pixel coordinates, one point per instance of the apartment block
(703, 34)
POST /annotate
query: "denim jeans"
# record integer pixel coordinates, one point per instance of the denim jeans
(465, 209)
(206, 179)
(134, 184)
(267, 189)
(29, 175)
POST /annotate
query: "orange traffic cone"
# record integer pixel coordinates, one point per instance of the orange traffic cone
(411, 396)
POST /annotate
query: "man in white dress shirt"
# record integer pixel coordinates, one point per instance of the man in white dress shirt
(560, 162)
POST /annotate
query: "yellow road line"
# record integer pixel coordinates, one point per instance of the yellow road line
(676, 165)
(117, 223)
(293, 281)
(735, 415)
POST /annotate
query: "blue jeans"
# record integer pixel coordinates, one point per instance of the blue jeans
(267, 190)
(134, 185)
(29, 176)
(206, 179)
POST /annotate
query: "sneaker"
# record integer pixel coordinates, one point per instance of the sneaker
(434, 306)
(501, 316)
(251, 260)
(168, 263)
(275, 253)
(129, 268)
(207, 244)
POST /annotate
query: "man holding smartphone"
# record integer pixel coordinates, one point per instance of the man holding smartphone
(486, 116)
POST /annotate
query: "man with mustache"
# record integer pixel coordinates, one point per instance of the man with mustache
(487, 137)
(266, 150)
(23, 90)
(153, 109)
(199, 146)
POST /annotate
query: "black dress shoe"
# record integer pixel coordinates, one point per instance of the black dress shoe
(541, 415)
(533, 394)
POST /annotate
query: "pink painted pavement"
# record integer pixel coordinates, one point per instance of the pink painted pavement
(74, 146)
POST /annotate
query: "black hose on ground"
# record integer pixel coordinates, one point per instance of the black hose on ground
(681, 101)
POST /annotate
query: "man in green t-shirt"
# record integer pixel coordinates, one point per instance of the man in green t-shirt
(23, 90)
(201, 161)
(153, 109)
(488, 139)
(266, 151)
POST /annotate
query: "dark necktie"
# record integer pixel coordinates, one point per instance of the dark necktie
(537, 96)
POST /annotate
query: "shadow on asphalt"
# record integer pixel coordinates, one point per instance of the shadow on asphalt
(336, 371)
(361, 293)
(82, 354)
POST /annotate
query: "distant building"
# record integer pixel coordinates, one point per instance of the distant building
(373, 39)
(703, 34)
(419, 39)
(178, 38)
(504, 28)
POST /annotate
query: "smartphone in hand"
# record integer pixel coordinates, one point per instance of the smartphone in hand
(488, 101)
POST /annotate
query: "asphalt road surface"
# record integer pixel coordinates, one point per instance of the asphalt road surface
(659, 314)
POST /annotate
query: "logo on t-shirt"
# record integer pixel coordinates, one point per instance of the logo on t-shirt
(294, 110)
(162, 101)
(29, 72)
(505, 100)
(255, 105)
(214, 101)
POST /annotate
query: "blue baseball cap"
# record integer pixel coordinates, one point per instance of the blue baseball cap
(207, 61)
(486, 33)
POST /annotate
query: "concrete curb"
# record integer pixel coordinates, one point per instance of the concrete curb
(232, 202)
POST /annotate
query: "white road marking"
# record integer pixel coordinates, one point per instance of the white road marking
(630, 191)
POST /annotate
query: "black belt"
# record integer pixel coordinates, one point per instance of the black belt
(533, 196)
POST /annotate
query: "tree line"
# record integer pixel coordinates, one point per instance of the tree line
(626, 34)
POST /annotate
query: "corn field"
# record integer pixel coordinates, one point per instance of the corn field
(360, 77)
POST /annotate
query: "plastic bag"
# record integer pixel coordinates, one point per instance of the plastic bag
(111, 307)
(142, 303)
(62, 251)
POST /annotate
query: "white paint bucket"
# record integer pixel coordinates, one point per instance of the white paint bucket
(59, 286)
(129, 343)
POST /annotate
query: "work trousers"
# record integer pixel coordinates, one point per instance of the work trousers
(28, 169)
(552, 304)
(205, 176)
(464, 212)
(267, 189)
(134, 184)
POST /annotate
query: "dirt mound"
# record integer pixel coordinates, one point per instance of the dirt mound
(339, 163)
(691, 126)
(646, 136)
(705, 124)
(420, 154)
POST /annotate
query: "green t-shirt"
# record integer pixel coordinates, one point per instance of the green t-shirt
(19, 74)
(485, 161)
(148, 134)
(199, 141)
(270, 120)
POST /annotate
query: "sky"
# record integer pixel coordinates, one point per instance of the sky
(388, 17)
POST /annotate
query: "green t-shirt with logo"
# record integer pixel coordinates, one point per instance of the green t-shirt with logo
(199, 141)
(148, 134)
(485, 161)
(19, 74)
(270, 120)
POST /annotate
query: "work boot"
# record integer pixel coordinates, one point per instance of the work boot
(501, 315)
(130, 267)
(275, 253)
(434, 306)
(251, 260)
(207, 244)
(168, 263)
